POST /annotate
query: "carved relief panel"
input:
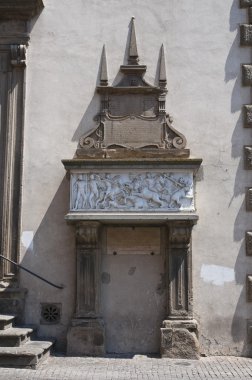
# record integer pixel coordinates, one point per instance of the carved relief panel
(132, 191)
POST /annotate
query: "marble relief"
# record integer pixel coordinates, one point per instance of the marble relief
(146, 191)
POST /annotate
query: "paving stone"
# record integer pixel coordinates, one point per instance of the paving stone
(80, 368)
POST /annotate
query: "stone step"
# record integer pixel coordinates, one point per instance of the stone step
(6, 321)
(26, 356)
(15, 336)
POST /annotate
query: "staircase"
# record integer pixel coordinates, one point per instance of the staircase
(16, 347)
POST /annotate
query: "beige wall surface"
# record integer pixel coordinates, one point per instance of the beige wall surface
(203, 59)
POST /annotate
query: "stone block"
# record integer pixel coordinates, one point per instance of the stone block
(248, 241)
(86, 338)
(245, 3)
(250, 15)
(246, 35)
(249, 199)
(247, 115)
(179, 339)
(247, 75)
(249, 287)
(249, 331)
(248, 157)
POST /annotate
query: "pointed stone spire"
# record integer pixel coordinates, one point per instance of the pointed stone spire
(133, 54)
(162, 69)
(104, 72)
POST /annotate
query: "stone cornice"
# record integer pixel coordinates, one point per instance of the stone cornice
(19, 9)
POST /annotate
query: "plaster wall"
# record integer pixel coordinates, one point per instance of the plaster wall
(203, 59)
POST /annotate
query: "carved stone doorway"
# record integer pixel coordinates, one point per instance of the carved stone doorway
(133, 289)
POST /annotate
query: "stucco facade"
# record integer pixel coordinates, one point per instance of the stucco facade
(205, 98)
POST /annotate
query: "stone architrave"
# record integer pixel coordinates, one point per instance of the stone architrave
(86, 334)
(248, 241)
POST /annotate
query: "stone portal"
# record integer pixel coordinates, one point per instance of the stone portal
(132, 200)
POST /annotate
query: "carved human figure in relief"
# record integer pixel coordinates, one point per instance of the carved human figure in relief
(80, 189)
(93, 191)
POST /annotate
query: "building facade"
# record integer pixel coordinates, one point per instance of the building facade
(192, 251)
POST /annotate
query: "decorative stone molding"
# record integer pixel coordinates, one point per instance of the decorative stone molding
(19, 9)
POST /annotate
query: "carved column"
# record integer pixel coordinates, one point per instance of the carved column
(86, 335)
(12, 65)
(179, 331)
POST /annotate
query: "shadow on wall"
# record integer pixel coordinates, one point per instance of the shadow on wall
(240, 96)
(51, 254)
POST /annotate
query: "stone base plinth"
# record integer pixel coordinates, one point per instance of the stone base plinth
(179, 339)
(86, 338)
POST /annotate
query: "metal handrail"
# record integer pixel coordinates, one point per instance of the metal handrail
(32, 273)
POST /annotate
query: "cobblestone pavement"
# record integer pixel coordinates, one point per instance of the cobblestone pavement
(139, 367)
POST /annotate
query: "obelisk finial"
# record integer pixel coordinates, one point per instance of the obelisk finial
(162, 69)
(133, 54)
(104, 72)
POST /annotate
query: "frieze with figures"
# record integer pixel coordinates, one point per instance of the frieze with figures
(138, 191)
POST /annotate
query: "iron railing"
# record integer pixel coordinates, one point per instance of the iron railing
(32, 273)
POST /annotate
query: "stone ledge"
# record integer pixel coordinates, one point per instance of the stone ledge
(106, 217)
(19, 9)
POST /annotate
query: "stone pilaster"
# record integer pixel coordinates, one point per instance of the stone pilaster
(86, 335)
(179, 331)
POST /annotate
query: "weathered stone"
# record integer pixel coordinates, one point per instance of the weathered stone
(245, 3)
(250, 15)
(19, 9)
(247, 75)
(86, 337)
(246, 35)
(247, 115)
(249, 331)
(249, 288)
(249, 199)
(248, 157)
(248, 240)
(179, 340)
